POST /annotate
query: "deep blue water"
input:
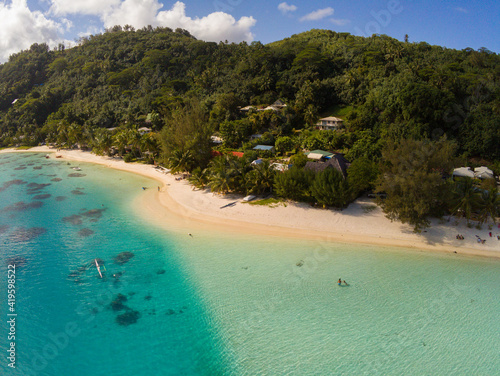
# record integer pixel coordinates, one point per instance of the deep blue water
(51, 224)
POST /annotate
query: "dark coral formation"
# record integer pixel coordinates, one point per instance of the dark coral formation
(34, 188)
(26, 234)
(18, 261)
(42, 197)
(7, 184)
(128, 318)
(4, 229)
(94, 213)
(73, 219)
(123, 257)
(22, 206)
(76, 274)
(161, 271)
(76, 175)
(117, 303)
(61, 198)
(56, 179)
(77, 192)
(84, 232)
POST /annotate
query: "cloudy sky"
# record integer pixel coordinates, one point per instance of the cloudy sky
(454, 24)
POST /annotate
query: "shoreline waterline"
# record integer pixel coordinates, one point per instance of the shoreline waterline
(176, 207)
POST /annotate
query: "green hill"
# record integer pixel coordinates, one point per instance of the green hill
(130, 78)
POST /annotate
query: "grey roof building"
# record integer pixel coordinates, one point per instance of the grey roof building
(337, 161)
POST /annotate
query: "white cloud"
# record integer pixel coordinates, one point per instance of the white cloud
(285, 8)
(318, 14)
(339, 22)
(461, 10)
(86, 7)
(216, 27)
(21, 28)
(138, 13)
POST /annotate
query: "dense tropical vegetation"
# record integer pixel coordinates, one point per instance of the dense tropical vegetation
(411, 111)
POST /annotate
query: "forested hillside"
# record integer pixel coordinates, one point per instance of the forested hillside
(389, 89)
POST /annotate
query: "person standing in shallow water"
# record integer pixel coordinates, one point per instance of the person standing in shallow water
(339, 281)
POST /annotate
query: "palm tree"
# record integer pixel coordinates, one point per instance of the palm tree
(62, 133)
(102, 141)
(489, 204)
(134, 139)
(223, 171)
(237, 169)
(121, 141)
(466, 198)
(220, 181)
(310, 115)
(199, 178)
(149, 144)
(180, 161)
(260, 179)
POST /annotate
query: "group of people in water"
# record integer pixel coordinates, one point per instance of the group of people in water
(340, 282)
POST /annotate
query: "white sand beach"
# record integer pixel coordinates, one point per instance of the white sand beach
(174, 205)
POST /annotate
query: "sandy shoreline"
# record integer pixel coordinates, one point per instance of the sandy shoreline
(176, 206)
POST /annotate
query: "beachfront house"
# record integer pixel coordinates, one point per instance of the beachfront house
(248, 108)
(330, 123)
(217, 140)
(478, 173)
(276, 106)
(483, 173)
(318, 155)
(463, 172)
(264, 148)
(257, 162)
(144, 130)
(281, 167)
(337, 161)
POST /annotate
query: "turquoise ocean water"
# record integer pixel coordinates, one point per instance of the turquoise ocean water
(221, 303)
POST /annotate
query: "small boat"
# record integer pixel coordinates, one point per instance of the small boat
(76, 168)
(98, 267)
(47, 156)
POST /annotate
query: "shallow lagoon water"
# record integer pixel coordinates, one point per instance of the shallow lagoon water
(221, 303)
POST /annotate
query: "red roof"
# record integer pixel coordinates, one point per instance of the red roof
(216, 153)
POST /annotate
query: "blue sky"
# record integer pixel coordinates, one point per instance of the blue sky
(453, 24)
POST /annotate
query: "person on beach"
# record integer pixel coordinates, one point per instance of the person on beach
(339, 282)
